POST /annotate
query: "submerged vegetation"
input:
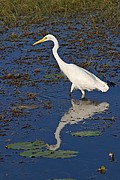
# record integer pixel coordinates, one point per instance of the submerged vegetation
(19, 12)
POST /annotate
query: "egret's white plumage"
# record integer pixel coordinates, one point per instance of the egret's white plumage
(80, 78)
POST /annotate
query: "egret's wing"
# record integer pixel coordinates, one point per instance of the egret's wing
(83, 79)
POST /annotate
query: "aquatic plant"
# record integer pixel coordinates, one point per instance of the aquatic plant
(86, 133)
(39, 149)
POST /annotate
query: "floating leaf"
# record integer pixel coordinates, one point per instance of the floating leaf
(49, 154)
(86, 133)
(60, 154)
(26, 145)
(32, 153)
(39, 149)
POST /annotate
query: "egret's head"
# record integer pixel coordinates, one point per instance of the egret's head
(48, 37)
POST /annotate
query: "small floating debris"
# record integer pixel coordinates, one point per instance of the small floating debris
(111, 156)
(33, 106)
(102, 169)
(109, 118)
(37, 70)
(47, 105)
(31, 95)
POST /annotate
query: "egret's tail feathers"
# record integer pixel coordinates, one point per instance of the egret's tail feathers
(102, 86)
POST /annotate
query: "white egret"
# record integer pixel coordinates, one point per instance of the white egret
(81, 79)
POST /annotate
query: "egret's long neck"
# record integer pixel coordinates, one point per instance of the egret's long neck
(60, 62)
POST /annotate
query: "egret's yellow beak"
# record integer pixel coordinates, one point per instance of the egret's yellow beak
(41, 40)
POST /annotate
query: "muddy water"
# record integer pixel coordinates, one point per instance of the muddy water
(35, 103)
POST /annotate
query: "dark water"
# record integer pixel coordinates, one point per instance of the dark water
(29, 77)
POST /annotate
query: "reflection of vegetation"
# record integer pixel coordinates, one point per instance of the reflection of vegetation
(35, 11)
(39, 149)
(86, 133)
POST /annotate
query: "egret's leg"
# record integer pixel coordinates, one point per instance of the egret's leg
(83, 94)
(72, 88)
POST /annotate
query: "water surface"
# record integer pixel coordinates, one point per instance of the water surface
(31, 77)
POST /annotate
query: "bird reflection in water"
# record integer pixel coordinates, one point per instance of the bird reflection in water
(79, 111)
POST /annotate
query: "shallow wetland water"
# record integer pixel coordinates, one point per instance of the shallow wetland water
(35, 102)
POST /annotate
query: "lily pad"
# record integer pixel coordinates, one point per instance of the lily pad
(32, 153)
(39, 149)
(49, 154)
(26, 145)
(86, 133)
